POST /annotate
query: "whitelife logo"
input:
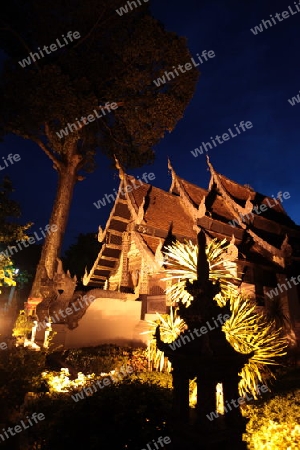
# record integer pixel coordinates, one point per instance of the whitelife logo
(184, 68)
(292, 101)
(129, 188)
(31, 240)
(71, 127)
(161, 441)
(260, 208)
(67, 312)
(11, 158)
(3, 346)
(114, 377)
(236, 403)
(274, 292)
(18, 428)
(124, 9)
(53, 47)
(268, 23)
(244, 126)
(199, 332)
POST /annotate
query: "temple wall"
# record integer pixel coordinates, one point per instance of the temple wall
(108, 320)
(294, 304)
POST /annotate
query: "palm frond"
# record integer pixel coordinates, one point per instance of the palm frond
(249, 331)
(171, 326)
(181, 266)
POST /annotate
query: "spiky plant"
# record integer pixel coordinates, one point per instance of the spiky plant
(246, 330)
(181, 262)
(250, 331)
(171, 326)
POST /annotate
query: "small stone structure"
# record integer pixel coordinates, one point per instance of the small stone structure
(210, 358)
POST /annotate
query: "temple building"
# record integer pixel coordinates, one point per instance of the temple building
(264, 240)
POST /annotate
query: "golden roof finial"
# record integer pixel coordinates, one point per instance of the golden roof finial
(119, 168)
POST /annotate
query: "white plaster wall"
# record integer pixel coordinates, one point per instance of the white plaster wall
(108, 320)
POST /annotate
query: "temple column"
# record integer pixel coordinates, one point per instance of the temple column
(180, 395)
(143, 289)
(284, 293)
(206, 399)
(144, 280)
(124, 282)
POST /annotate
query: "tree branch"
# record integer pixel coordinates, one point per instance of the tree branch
(56, 163)
(91, 30)
(112, 136)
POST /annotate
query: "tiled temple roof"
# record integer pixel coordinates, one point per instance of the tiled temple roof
(154, 213)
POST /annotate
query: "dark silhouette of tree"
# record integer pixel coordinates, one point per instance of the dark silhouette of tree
(26, 261)
(10, 229)
(115, 60)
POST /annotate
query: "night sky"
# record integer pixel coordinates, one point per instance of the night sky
(251, 79)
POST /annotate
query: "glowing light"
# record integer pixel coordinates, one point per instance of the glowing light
(60, 381)
(193, 393)
(220, 399)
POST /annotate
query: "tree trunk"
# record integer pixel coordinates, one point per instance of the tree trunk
(67, 177)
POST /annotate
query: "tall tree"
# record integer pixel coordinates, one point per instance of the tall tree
(114, 59)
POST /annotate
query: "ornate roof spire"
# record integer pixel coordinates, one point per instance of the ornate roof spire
(101, 234)
(232, 205)
(185, 199)
(119, 168)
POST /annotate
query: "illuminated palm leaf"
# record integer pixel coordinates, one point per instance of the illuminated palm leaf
(171, 326)
(182, 266)
(249, 331)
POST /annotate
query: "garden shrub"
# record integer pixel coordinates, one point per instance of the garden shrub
(274, 424)
(122, 416)
(105, 358)
(20, 372)
(162, 379)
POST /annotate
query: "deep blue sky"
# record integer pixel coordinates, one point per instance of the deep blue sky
(251, 78)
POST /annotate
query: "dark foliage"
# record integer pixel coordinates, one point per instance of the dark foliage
(126, 416)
